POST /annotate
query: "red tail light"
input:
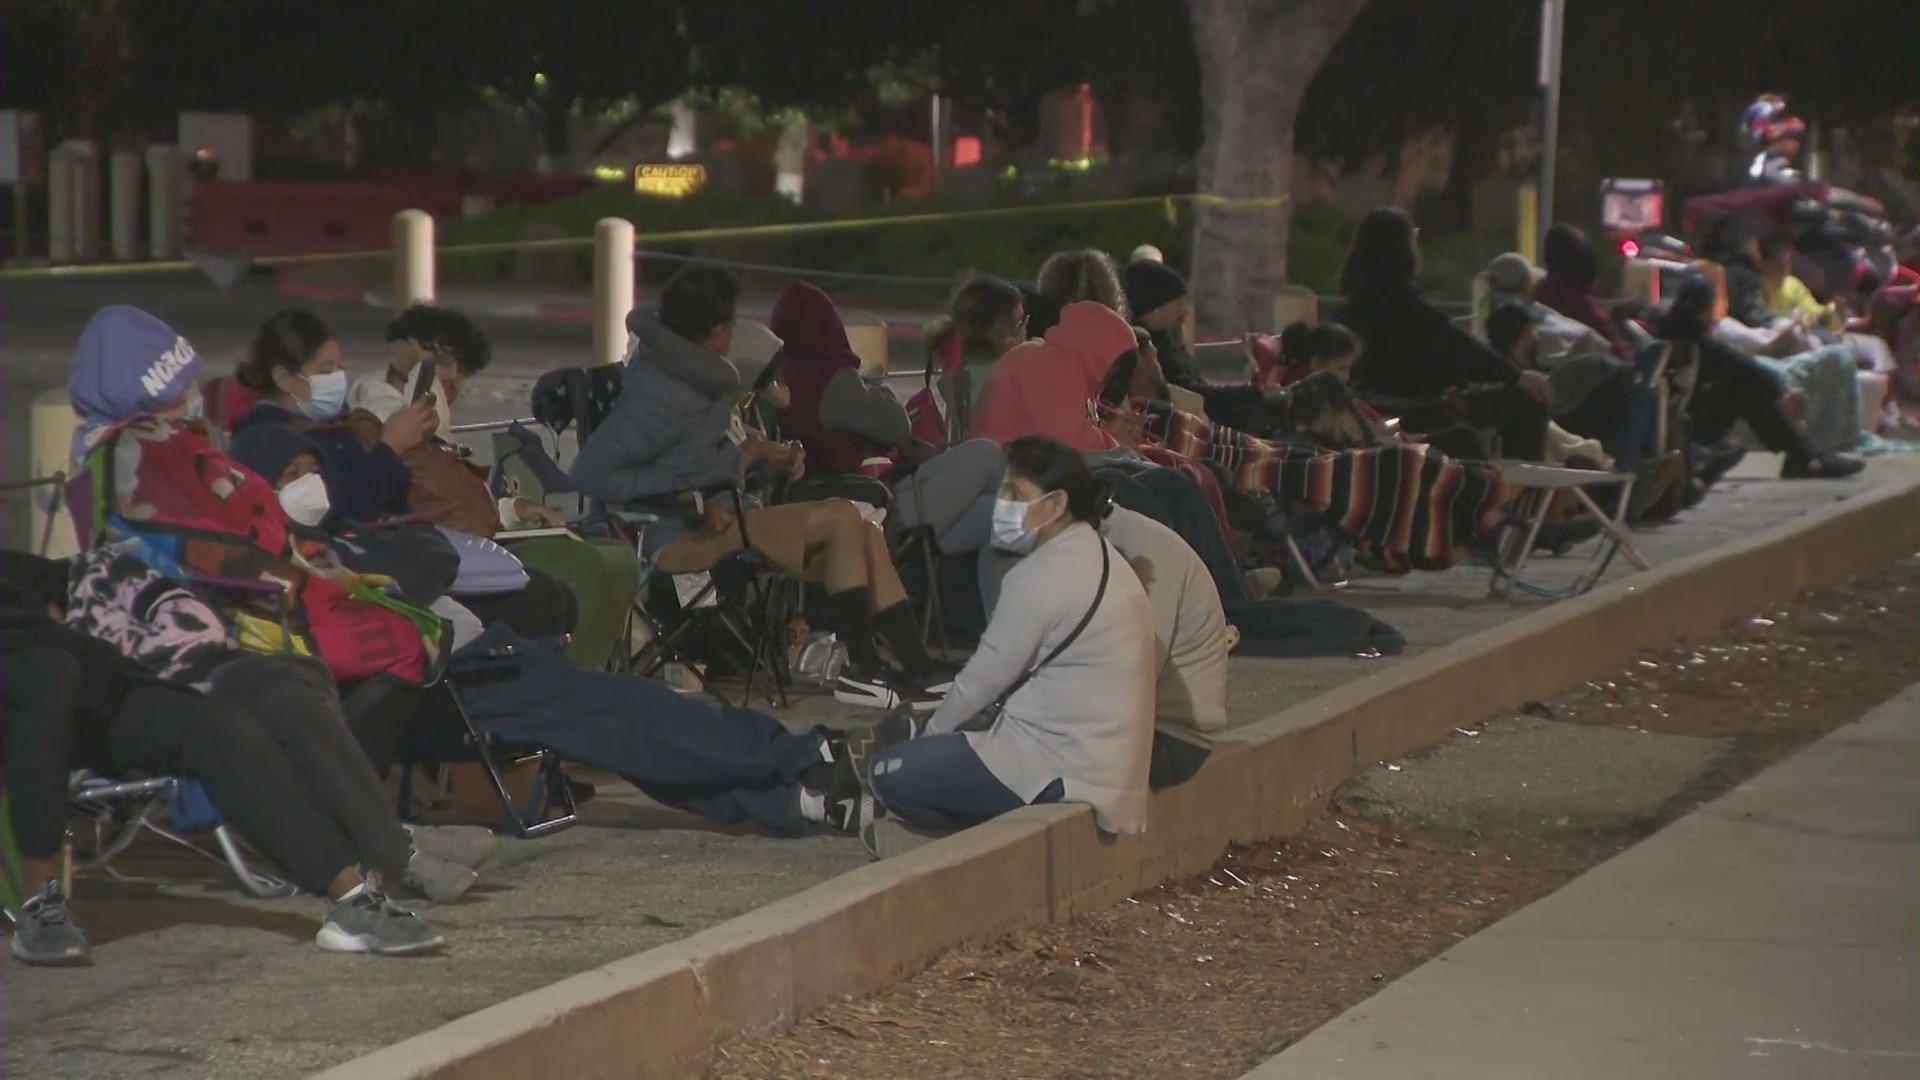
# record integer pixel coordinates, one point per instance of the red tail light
(1629, 248)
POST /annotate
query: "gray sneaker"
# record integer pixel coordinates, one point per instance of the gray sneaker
(365, 921)
(437, 879)
(44, 934)
(463, 845)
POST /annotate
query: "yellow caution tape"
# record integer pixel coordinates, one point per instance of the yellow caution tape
(796, 228)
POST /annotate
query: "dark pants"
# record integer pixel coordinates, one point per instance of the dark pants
(1174, 761)
(40, 694)
(293, 702)
(1734, 386)
(545, 610)
(939, 784)
(1175, 500)
(726, 764)
(1602, 414)
(1515, 415)
(379, 711)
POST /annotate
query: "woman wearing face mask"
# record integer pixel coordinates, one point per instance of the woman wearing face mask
(294, 365)
(1056, 704)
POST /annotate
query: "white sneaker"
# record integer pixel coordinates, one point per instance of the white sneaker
(870, 692)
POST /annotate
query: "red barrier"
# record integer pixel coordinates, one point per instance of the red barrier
(283, 217)
(286, 217)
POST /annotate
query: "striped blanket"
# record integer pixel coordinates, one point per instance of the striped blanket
(1406, 507)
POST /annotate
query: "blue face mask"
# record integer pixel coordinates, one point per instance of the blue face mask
(326, 395)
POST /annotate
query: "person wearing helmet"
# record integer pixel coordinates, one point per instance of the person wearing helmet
(1774, 135)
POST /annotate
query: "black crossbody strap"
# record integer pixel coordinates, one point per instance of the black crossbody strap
(1099, 594)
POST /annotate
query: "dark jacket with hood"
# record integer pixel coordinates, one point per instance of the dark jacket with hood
(836, 415)
(1412, 351)
(668, 431)
(364, 482)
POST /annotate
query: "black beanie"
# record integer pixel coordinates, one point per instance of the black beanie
(1151, 284)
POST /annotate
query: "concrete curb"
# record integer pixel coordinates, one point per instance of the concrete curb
(660, 1014)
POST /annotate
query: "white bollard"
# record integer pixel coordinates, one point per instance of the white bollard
(50, 427)
(412, 259)
(123, 193)
(867, 336)
(166, 208)
(612, 288)
(1295, 303)
(60, 172)
(86, 202)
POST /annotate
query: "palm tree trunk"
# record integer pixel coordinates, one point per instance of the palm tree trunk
(1257, 58)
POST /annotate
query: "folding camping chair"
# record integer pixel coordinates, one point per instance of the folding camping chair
(445, 738)
(1514, 539)
(737, 600)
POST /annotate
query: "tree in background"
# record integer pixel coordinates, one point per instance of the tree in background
(1408, 68)
(1257, 58)
(554, 62)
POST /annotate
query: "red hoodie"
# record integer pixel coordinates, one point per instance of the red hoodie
(814, 350)
(1048, 387)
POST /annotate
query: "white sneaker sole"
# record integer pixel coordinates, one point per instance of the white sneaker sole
(333, 939)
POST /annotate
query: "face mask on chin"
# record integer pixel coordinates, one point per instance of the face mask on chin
(305, 500)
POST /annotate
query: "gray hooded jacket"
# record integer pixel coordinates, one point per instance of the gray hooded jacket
(668, 429)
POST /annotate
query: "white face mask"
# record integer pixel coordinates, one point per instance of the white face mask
(1010, 532)
(305, 500)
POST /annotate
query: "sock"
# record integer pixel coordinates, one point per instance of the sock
(897, 625)
(852, 612)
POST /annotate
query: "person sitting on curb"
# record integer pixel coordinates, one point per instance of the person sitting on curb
(1056, 704)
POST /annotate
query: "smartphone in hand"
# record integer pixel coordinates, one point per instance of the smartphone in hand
(422, 380)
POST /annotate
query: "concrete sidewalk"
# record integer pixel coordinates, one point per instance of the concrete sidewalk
(1771, 933)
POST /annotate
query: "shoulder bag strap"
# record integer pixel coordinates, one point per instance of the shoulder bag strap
(1099, 594)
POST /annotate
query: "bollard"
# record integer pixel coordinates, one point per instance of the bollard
(1640, 280)
(412, 259)
(60, 174)
(1482, 295)
(123, 193)
(50, 427)
(867, 336)
(612, 288)
(86, 202)
(165, 206)
(1295, 303)
(1526, 237)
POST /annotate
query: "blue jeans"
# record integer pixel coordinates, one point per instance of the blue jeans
(727, 764)
(939, 784)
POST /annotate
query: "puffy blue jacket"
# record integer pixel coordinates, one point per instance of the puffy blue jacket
(667, 432)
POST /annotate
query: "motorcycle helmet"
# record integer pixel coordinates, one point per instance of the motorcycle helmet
(1766, 122)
